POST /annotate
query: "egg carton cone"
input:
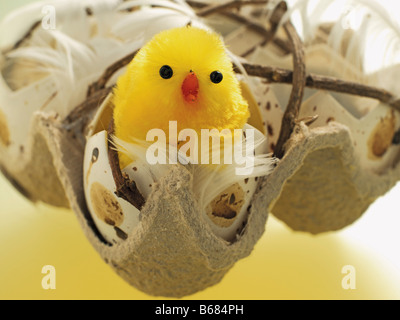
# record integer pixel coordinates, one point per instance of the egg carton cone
(55, 109)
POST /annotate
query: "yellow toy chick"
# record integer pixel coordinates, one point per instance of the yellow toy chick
(183, 75)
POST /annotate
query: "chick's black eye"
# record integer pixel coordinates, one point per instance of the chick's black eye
(166, 72)
(216, 76)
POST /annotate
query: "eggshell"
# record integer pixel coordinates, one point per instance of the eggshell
(227, 214)
(114, 217)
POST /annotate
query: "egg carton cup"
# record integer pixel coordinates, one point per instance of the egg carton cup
(335, 162)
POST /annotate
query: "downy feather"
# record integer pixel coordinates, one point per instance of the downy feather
(209, 180)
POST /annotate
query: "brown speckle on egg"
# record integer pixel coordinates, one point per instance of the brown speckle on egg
(134, 169)
(89, 11)
(4, 132)
(95, 155)
(396, 138)
(270, 130)
(268, 106)
(382, 136)
(224, 208)
(330, 119)
(272, 146)
(120, 233)
(106, 205)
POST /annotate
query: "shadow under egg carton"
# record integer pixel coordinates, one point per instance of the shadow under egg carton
(332, 170)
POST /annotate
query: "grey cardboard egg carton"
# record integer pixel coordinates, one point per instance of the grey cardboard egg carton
(322, 183)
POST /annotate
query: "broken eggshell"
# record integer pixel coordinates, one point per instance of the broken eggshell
(114, 217)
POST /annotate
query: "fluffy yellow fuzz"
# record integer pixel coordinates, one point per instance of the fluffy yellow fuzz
(143, 100)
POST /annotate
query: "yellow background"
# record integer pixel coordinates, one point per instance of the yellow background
(283, 265)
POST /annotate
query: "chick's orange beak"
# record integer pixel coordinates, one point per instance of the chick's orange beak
(190, 88)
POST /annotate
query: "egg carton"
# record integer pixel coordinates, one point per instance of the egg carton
(342, 153)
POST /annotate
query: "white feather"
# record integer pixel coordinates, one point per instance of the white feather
(180, 6)
(145, 23)
(375, 42)
(89, 36)
(17, 23)
(209, 180)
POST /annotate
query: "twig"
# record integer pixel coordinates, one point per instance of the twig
(126, 188)
(77, 121)
(296, 96)
(196, 4)
(280, 75)
(101, 83)
(275, 19)
(309, 120)
(27, 35)
(338, 85)
(90, 104)
(273, 75)
(268, 34)
(215, 8)
(258, 28)
(253, 25)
